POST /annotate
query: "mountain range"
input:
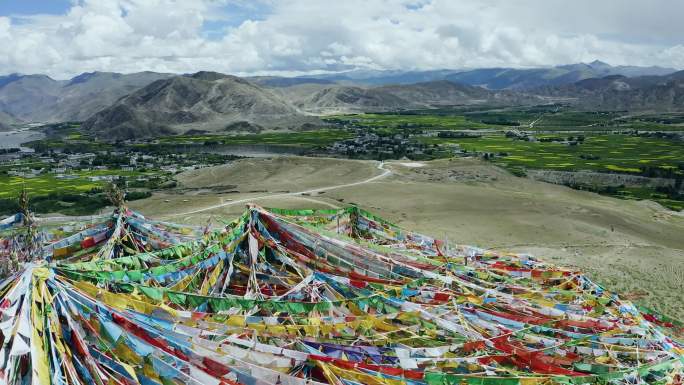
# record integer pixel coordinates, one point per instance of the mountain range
(617, 92)
(149, 104)
(39, 98)
(205, 101)
(340, 98)
(214, 102)
(497, 78)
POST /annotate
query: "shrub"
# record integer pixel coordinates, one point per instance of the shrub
(135, 195)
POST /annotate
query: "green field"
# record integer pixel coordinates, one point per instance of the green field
(49, 183)
(396, 122)
(545, 118)
(559, 118)
(548, 119)
(616, 153)
(564, 140)
(648, 193)
(608, 143)
(642, 156)
(76, 142)
(71, 143)
(303, 139)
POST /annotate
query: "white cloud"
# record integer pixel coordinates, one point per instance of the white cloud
(313, 35)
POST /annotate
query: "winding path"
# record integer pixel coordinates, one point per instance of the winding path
(385, 172)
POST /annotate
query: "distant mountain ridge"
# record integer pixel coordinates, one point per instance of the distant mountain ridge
(442, 93)
(384, 77)
(617, 92)
(275, 81)
(214, 102)
(344, 99)
(526, 79)
(148, 104)
(496, 78)
(39, 98)
(337, 98)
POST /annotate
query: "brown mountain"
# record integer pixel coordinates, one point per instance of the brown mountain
(337, 98)
(442, 92)
(340, 99)
(659, 93)
(206, 101)
(39, 98)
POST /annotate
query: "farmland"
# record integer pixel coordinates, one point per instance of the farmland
(77, 193)
(551, 138)
(619, 154)
(71, 138)
(603, 153)
(70, 165)
(77, 182)
(541, 118)
(648, 148)
(302, 139)
(392, 122)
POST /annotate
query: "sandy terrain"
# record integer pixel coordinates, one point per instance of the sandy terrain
(634, 247)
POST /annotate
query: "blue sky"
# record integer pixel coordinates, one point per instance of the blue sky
(231, 15)
(227, 15)
(301, 36)
(31, 7)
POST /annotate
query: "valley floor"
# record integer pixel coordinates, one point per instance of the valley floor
(634, 247)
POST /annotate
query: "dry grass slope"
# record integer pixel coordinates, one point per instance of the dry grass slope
(634, 247)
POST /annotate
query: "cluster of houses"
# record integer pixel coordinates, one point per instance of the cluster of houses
(522, 135)
(65, 166)
(371, 143)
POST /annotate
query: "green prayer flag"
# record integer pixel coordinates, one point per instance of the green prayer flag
(153, 293)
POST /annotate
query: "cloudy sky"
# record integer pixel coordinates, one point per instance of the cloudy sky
(62, 38)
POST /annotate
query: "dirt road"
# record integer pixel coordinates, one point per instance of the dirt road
(385, 172)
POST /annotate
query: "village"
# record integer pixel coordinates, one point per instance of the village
(371, 145)
(107, 165)
(57, 178)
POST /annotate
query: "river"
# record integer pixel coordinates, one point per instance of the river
(246, 150)
(14, 138)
